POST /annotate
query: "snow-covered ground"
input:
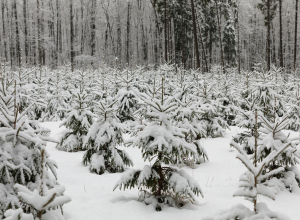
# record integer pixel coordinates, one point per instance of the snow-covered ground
(93, 197)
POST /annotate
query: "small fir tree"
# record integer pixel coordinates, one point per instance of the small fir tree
(78, 123)
(187, 117)
(251, 182)
(127, 97)
(22, 144)
(102, 142)
(162, 144)
(43, 202)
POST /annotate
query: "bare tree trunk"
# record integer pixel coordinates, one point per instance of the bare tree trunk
(42, 34)
(93, 29)
(195, 35)
(268, 37)
(119, 35)
(157, 37)
(203, 48)
(166, 31)
(182, 47)
(82, 29)
(18, 47)
(296, 27)
(169, 39)
(71, 36)
(4, 30)
(57, 31)
(238, 42)
(128, 34)
(33, 46)
(280, 34)
(220, 37)
(39, 33)
(51, 34)
(25, 29)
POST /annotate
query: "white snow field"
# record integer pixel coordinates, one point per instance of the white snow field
(93, 197)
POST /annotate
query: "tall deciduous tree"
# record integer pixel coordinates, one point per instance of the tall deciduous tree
(93, 28)
(220, 35)
(296, 29)
(268, 8)
(195, 34)
(25, 29)
(18, 47)
(280, 34)
(72, 52)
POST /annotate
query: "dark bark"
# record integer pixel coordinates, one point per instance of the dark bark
(268, 36)
(296, 29)
(119, 36)
(195, 35)
(71, 36)
(25, 30)
(82, 29)
(39, 33)
(203, 48)
(280, 35)
(93, 29)
(42, 34)
(18, 47)
(57, 32)
(220, 36)
(166, 31)
(128, 34)
(4, 30)
(238, 43)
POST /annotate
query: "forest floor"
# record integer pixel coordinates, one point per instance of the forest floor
(93, 197)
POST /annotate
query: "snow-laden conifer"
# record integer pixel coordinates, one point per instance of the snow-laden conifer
(272, 138)
(294, 102)
(78, 123)
(22, 143)
(127, 96)
(102, 142)
(226, 97)
(57, 98)
(251, 182)
(162, 144)
(44, 203)
(208, 107)
(187, 117)
(246, 121)
(268, 99)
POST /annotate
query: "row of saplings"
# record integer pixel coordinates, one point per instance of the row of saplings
(263, 148)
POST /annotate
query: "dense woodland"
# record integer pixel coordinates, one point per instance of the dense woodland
(86, 33)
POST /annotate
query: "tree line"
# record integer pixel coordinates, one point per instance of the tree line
(188, 33)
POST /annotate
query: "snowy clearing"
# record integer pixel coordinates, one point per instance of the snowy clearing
(93, 197)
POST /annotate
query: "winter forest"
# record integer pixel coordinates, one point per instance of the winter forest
(153, 109)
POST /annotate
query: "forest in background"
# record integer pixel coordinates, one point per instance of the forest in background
(118, 33)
